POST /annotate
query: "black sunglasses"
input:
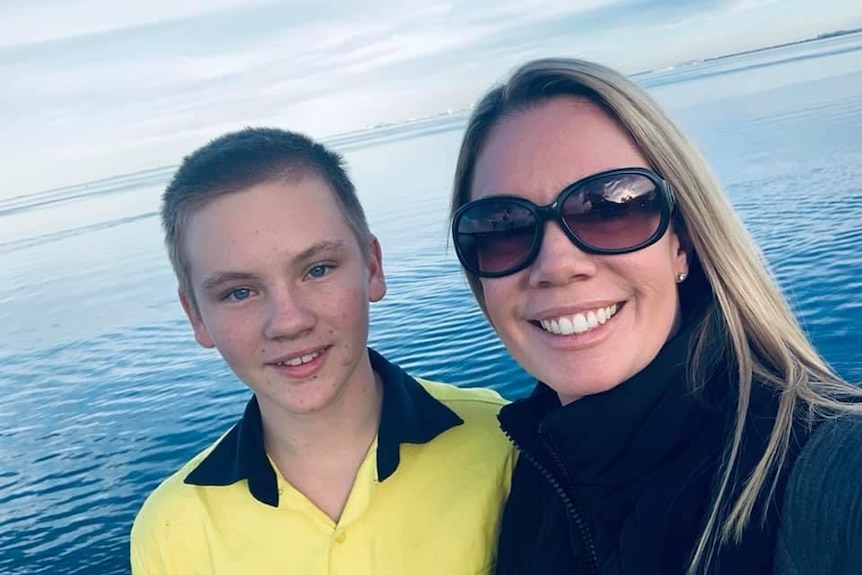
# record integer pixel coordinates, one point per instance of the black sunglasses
(613, 212)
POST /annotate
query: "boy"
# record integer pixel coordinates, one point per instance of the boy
(341, 463)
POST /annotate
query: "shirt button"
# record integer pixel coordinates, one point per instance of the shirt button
(341, 537)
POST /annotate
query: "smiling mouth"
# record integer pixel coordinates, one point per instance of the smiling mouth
(580, 322)
(301, 359)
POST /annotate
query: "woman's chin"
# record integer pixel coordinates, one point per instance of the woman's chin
(573, 391)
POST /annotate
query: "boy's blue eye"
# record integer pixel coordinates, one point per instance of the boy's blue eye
(318, 271)
(238, 294)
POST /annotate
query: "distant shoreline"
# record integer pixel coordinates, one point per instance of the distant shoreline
(678, 65)
(822, 36)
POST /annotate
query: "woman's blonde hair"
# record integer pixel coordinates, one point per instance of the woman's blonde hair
(766, 342)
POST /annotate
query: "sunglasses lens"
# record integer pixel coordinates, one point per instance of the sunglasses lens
(615, 212)
(495, 236)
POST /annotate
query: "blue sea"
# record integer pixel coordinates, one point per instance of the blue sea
(105, 392)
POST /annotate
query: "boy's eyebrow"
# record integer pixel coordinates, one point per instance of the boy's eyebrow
(311, 252)
(219, 278)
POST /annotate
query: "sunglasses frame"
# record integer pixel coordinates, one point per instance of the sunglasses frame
(553, 212)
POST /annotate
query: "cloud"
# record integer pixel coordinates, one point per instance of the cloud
(746, 5)
(39, 21)
(93, 88)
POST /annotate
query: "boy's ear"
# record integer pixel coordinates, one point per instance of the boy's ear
(202, 335)
(376, 278)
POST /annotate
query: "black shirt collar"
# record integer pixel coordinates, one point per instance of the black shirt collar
(409, 415)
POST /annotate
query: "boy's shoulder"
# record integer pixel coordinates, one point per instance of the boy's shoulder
(452, 394)
(477, 407)
(173, 502)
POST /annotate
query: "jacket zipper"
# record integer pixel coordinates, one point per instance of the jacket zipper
(573, 509)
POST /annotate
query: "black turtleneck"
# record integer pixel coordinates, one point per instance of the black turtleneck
(620, 482)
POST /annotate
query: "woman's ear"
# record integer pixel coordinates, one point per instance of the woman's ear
(683, 247)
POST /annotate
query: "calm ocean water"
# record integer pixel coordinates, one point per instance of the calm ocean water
(106, 393)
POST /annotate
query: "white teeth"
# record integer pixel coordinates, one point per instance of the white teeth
(580, 322)
(601, 315)
(293, 362)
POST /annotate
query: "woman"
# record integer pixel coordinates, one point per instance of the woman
(682, 422)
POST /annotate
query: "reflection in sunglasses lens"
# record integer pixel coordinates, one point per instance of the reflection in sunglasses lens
(499, 235)
(613, 213)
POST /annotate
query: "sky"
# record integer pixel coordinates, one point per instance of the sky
(97, 88)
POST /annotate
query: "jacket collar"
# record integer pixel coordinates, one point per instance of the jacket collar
(409, 414)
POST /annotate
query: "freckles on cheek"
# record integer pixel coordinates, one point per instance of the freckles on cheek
(346, 362)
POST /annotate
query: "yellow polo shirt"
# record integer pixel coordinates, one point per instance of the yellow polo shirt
(426, 499)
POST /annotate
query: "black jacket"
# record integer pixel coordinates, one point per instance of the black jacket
(620, 482)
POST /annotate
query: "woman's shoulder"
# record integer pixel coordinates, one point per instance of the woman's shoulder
(825, 476)
(821, 519)
(832, 455)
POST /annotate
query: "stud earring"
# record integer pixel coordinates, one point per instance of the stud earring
(681, 277)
